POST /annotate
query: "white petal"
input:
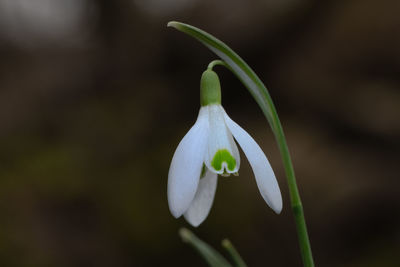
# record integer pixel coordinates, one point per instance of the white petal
(263, 172)
(220, 141)
(202, 202)
(187, 162)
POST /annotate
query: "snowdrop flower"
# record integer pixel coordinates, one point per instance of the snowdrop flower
(208, 149)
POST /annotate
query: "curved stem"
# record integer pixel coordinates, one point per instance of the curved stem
(295, 200)
(215, 63)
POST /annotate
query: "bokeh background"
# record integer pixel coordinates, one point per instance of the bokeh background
(95, 95)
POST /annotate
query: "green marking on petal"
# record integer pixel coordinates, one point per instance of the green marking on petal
(223, 155)
(203, 171)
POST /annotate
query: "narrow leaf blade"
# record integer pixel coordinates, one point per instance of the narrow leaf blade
(213, 258)
(237, 259)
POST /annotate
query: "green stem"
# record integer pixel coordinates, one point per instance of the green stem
(215, 63)
(295, 200)
(297, 206)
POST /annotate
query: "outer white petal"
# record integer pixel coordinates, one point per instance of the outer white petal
(263, 172)
(220, 138)
(202, 202)
(187, 162)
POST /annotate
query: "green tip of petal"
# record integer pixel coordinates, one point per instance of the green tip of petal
(203, 171)
(223, 155)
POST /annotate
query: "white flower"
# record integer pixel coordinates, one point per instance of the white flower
(208, 149)
(210, 142)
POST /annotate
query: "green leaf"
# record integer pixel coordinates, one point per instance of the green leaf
(213, 258)
(237, 259)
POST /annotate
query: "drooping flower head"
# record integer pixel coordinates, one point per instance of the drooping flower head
(208, 149)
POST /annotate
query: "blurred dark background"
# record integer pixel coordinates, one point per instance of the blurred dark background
(95, 95)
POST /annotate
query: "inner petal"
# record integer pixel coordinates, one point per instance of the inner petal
(223, 159)
(223, 155)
